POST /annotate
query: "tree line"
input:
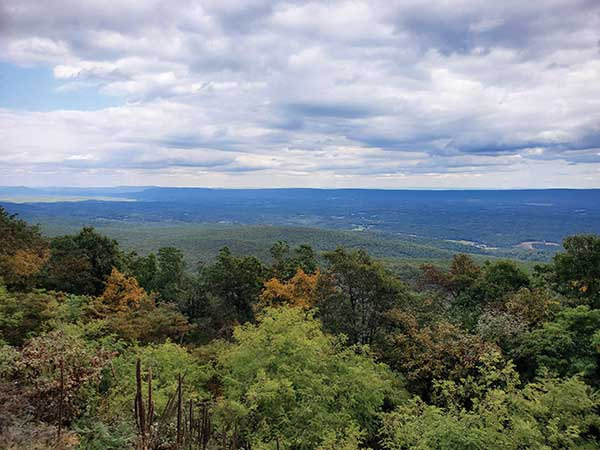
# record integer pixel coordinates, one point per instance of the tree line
(106, 349)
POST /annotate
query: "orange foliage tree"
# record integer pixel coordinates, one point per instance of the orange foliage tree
(463, 273)
(300, 291)
(133, 314)
(121, 293)
(438, 351)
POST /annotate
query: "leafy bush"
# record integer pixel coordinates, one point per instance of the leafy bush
(549, 413)
(59, 374)
(166, 361)
(298, 385)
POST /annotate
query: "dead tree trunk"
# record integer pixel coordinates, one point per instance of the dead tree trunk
(61, 399)
(143, 419)
(179, 413)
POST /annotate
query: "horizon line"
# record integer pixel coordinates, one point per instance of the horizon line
(310, 188)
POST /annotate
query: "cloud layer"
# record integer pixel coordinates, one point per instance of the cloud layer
(343, 93)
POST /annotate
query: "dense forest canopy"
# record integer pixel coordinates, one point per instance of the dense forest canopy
(107, 349)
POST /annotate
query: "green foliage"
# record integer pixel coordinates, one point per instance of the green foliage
(355, 294)
(576, 272)
(201, 242)
(8, 358)
(144, 269)
(171, 274)
(81, 263)
(277, 379)
(97, 435)
(503, 277)
(424, 427)
(286, 263)
(351, 438)
(549, 413)
(497, 281)
(297, 384)
(472, 289)
(235, 284)
(26, 314)
(566, 346)
(166, 361)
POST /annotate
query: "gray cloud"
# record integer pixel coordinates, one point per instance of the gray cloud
(377, 93)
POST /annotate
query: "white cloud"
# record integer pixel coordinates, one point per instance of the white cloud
(254, 93)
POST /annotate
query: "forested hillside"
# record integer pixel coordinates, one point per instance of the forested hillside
(492, 218)
(200, 242)
(104, 348)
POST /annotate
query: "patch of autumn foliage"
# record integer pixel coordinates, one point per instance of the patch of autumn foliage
(121, 293)
(462, 274)
(535, 306)
(25, 263)
(38, 371)
(300, 291)
(23, 252)
(133, 314)
(436, 351)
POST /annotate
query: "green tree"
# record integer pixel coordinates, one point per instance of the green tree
(497, 281)
(145, 270)
(298, 385)
(565, 345)
(355, 294)
(501, 278)
(547, 413)
(576, 271)
(26, 314)
(235, 284)
(287, 262)
(81, 263)
(171, 274)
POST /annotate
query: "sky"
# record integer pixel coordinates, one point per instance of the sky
(253, 93)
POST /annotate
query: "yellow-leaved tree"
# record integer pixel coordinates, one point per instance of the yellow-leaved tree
(121, 293)
(133, 314)
(300, 291)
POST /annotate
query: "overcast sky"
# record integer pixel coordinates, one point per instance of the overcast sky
(252, 93)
